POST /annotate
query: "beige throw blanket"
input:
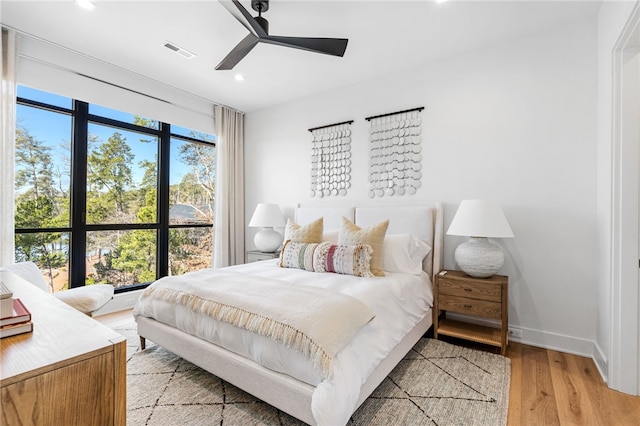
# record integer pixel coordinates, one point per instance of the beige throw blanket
(314, 321)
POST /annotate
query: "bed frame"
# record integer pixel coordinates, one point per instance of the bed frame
(280, 390)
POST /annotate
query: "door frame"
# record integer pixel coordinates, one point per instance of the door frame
(624, 365)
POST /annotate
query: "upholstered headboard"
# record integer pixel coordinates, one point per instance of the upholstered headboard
(424, 221)
(332, 215)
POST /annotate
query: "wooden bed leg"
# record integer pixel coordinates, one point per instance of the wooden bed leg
(143, 343)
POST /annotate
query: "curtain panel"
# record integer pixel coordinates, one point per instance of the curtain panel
(228, 240)
(8, 113)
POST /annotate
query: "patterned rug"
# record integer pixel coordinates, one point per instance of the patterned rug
(437, 383)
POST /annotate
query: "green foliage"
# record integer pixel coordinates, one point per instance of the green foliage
(35, 173)
(189, 249)
(109, 172)
(43, 248)
(38, 205)
(145, 122)
(136, 255)
(201, 158)
(132, 260)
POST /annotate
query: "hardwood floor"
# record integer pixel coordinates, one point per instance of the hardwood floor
(555, 388)
(547, 387)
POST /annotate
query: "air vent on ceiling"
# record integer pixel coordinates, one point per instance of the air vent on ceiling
(179, 50)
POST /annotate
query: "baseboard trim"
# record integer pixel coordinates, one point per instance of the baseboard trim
(600, 360)
(542, 339)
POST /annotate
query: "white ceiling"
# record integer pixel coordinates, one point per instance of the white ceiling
(384, 36)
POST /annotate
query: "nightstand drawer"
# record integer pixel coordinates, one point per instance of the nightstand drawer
(465, 305)
(475, 290)
(256, 256)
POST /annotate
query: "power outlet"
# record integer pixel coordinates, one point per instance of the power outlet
(516, 333)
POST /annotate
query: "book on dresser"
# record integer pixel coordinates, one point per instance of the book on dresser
(18, 322)
(18, 315)
(13, 329)
(6, 301)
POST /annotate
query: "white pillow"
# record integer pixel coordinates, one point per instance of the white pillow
(404, 253)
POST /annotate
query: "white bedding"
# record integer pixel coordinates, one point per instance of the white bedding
(398, 300)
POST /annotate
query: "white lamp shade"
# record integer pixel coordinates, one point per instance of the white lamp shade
(267, 216)
(480, 218)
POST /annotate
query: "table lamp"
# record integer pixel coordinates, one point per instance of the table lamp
(479, 220)
(267, 216)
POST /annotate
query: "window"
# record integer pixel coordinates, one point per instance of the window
(104, 196)
(191, 197)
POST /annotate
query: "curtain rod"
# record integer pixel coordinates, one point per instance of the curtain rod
(394, 113)
(330, 125)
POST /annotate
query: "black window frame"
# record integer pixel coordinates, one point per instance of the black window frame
(78, 228)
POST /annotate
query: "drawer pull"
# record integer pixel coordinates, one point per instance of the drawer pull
(468, 289)
(468, 306)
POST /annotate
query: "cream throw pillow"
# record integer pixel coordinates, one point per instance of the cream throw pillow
(352, 234)
(311, 233)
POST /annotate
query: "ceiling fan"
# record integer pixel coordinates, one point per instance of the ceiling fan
(259, 33)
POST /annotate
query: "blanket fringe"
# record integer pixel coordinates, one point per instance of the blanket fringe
(280, 332)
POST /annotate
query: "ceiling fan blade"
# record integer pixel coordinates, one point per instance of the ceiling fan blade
(244, 17)
(238, 52)
(328, 46)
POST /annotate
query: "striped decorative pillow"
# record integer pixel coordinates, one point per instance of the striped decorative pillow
(343, 259)
(298, 255)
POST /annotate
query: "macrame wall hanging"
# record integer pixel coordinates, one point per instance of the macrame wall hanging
(395, 158)
(331, 159)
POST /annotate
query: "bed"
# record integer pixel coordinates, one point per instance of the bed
(287, 378)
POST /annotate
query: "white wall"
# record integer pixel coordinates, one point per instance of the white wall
(514, 122)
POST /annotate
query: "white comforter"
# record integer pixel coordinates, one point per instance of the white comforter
(399, 302)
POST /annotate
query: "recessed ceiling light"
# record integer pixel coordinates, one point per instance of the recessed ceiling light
(239, 77)
(86, 4)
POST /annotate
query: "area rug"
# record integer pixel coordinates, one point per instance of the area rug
(437, 383)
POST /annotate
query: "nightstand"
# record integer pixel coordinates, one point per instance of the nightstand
(455, 291)
(256, 255)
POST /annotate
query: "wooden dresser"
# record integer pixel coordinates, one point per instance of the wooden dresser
(71, 370)
(455, 291)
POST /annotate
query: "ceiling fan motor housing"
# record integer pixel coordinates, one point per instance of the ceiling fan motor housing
(263, 23)
(260, 5)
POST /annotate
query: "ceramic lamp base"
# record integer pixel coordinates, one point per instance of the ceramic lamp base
(479, 257)
(267, 240)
